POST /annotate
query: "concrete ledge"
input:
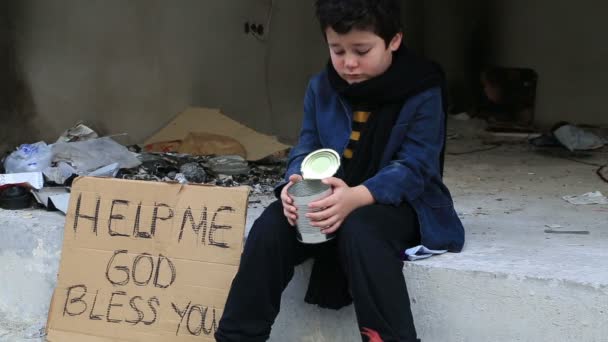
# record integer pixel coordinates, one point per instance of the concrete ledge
(451, 305)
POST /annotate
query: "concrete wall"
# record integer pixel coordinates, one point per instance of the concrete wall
(560, 41)
(129, 66)
(563, 43)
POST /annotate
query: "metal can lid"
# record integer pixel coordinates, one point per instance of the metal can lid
(320, 164)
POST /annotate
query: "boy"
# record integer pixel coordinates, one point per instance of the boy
(381, 107)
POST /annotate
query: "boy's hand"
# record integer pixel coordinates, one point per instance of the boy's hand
(336, 207)
(288, 209)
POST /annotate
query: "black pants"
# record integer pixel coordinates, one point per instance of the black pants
(370, 243)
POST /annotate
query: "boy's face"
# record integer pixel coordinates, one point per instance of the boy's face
(360, 55)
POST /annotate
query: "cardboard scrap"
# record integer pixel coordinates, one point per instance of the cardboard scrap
(213, 121)
(146, 261)
(202, 144)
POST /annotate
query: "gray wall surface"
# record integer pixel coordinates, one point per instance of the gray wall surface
(562, 42)
(130, 66)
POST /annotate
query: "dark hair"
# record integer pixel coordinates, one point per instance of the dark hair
(383, 17)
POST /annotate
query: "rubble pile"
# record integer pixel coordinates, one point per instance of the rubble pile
(45, 172)
(226, 171)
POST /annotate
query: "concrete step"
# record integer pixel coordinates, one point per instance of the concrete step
(458, 305)
(513, 281)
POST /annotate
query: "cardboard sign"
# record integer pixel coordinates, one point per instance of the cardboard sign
(146, 261)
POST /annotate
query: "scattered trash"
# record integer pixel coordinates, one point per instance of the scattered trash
(180, 178)
(421, 252)
(193, 172)
(574, 232)
(159, 167)
(79, 132)
(545, 140)
(588, 198)
(53, 198)
(90, 155)
(228, 165)
(15, 197)
(61, 202)
(59, 174)
(32, 179)
(80, 152)
(29, 158)
(577, 139)
(106, 171)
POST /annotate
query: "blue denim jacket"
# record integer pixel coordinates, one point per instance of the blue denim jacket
(409, 169)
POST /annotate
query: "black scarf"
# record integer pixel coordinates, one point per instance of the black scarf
(408, 75)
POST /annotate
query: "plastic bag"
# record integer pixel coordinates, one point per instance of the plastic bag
(90, 155)
(29, 158)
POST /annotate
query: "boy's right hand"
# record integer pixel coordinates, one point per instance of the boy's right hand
(289, 210)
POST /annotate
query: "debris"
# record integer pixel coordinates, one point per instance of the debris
(32, 179)
(213, 121)
(29, 158)
(53, 198)
(193, 172)
(61, 202)
(15, 197)
(228, 165)
(575, 138)
(180, 178)
(545, 140)
(59, 174)
(588, 198)
(106, 171)
(575, 232)
(261, 176)
(79, 132)
(90, 155)
(421, 252)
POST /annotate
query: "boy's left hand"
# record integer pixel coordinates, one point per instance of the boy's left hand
(338, 205)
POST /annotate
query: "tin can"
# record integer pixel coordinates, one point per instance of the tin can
(317, 165)
(304, 192)
(320, 164)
